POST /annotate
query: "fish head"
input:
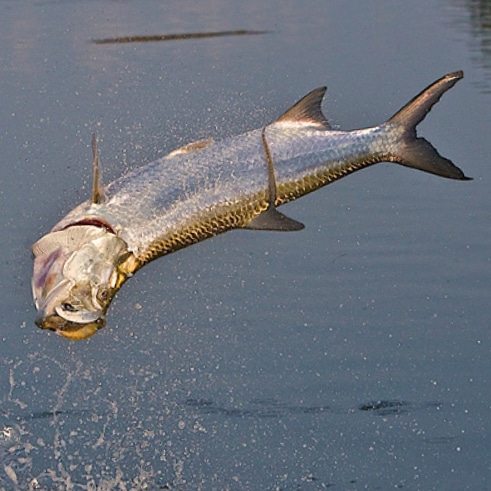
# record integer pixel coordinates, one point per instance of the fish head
(77, 272)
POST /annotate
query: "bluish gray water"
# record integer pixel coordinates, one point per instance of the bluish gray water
(352, 355)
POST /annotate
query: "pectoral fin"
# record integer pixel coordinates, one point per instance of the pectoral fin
(273, 220)
(97, 193)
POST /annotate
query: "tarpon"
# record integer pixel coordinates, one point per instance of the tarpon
(206, 188)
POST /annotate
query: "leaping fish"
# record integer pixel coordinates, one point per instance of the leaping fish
(206, 188)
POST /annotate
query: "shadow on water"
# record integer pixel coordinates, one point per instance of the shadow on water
(45, 448)
(19, 470)
(272, 408)
(175, 37)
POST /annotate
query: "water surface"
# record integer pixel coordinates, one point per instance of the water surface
(352, 355)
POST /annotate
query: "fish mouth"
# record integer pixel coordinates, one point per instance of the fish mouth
(69, 329)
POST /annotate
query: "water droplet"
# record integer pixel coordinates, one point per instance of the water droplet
(9, 436)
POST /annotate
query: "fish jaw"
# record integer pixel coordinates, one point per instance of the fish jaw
(70, 330)
(77, 272)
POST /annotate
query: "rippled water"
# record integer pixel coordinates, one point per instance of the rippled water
(352, 355)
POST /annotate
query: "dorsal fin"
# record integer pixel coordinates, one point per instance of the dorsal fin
(97, 192)
(307, 110)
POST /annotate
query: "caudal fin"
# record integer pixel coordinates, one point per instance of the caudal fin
(417, 152)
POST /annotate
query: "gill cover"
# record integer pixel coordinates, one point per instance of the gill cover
(75, 277)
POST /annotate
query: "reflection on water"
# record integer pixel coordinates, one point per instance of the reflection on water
(175, 37)
(480, 26)
(473, 17)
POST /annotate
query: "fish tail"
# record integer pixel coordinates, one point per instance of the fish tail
(419, 153)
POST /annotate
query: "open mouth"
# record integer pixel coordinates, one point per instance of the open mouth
(70, 330)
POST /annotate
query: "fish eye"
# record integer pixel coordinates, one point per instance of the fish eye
(103, 295)
(68, 307)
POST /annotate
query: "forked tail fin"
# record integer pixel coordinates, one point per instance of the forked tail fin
(417, 152)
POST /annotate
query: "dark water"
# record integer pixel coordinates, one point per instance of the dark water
(352, 355)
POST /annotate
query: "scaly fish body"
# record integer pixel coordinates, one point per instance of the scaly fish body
(225, 184)
(207, 188)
